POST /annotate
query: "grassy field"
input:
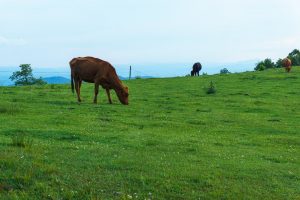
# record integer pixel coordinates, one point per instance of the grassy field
(173, 141)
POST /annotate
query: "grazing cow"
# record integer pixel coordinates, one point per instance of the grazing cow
(94, 70)
(196, 69)
(287, 64)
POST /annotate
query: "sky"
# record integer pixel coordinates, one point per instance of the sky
(158, 34)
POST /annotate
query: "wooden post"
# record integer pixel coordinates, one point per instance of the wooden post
(130, 72)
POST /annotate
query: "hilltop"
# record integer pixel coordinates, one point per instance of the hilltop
(173, 141)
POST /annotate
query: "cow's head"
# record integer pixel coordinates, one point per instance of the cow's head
(123, 95)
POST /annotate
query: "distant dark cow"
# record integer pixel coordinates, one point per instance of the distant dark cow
(287, 64)
(196, 69)
(94, 70)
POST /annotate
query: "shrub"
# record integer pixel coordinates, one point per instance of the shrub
(260, 67)
(224, 71)
(39, 81)
(211, 89)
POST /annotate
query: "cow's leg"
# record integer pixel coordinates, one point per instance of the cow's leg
(108, 95)
(287, 69)
(77, 83)
(96, 92)
(79, 88)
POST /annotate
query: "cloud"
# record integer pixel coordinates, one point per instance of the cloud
(12, 41)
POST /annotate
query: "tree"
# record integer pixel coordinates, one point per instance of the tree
(278, 63)
(266, 64)
(295, 57)
(25, 77)
(224, 71)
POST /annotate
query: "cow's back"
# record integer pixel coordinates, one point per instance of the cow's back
(197, 67)
(89, 68)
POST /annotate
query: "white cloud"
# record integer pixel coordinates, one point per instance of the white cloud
(12, 41)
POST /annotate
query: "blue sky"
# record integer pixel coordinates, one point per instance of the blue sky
(48, 33)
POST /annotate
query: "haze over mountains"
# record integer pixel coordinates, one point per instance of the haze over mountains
(61, 75)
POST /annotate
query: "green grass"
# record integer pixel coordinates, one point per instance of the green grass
(173, 141)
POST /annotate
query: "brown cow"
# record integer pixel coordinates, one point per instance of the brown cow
(287, 64)
(94, 70)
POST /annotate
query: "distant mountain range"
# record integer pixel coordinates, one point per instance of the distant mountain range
(56, 80)
(63, 80)
(136, 77)
(60, 75)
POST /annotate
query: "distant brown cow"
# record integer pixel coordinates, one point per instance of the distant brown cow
(287, 64)
(94, 70)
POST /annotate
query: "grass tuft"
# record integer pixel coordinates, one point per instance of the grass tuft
(21, 139)
(9, 109)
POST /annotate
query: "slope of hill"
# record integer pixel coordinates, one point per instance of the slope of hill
(173, 141)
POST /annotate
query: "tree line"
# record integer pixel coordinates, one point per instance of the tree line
(294, 56)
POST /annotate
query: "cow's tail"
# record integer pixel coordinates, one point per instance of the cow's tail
(72, 83)
(72, 62)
